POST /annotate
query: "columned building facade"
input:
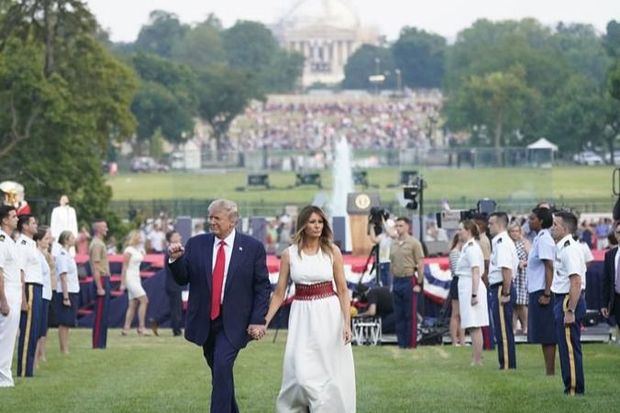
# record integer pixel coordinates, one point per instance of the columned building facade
(326, 33)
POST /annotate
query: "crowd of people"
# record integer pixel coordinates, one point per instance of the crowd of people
(313, 126)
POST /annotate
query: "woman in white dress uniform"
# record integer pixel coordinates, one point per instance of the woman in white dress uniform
(318, 373)
(130, 280)
(472, 291)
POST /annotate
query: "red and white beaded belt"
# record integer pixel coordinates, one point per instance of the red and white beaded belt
(306, 292)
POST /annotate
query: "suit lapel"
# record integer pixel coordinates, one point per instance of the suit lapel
(208, 260)
(236, 258)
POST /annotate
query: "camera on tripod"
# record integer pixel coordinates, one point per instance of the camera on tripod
(376, 217)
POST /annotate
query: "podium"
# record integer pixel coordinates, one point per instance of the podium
(358, 208)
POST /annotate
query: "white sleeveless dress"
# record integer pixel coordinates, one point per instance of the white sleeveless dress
(133, 283)
(319, 375)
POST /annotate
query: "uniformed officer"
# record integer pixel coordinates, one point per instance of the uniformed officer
(569, 304)
(101, 277)
(11, 278)
(502, 270)
(33, 277)
(407, 264)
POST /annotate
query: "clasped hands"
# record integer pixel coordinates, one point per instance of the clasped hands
(257, 331)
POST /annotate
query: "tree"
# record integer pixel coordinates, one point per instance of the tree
(223, 94)
(420, 57)
(165, 101)
(496, 100)
(611, 40)
(369, 60)
(201, 46)
(163, 33)
(72, 98)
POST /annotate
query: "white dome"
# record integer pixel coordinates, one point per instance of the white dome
(327, 13)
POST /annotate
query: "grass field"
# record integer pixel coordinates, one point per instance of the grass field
(528, 183)
(166, 374)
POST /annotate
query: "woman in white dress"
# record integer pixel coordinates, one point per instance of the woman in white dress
(472, 291)
(318, 372)
(130, 280)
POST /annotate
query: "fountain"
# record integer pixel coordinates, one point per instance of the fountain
(342, 176)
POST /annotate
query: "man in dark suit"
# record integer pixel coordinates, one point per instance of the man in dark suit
(611, 280)
(229, 292)
(173, 290)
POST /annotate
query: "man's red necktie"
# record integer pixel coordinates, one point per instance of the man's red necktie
(218, 280)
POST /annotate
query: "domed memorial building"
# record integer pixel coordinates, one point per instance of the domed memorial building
(326, 33)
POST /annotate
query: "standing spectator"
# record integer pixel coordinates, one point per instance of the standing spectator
(383, 241)
(457, 334)
(407, 264)
(569, 304)
(83, 240)
(586, 234)
(11, 278)
(157, 239)
(67, 290)
(472, 291)
(611, 281)
(521, 300)
(101, 276)
(602, 230)
(33, 289)
(63, 218)
(539, 278)
(173, 290)
(502, 270)
(130, 280)
(44, 240)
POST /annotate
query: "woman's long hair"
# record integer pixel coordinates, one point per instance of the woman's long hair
(325, 240)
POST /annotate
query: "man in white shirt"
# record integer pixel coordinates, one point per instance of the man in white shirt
(569, 304)
(502, 269)
(33, 289)
(11, 279)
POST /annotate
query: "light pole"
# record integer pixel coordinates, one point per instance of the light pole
(398, 81)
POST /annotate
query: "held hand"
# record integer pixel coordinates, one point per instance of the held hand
(100, 291)
(544, 301)
(25, 305)
(257, 331)
(66, 302)
(4, 308)
(505, 299)
(605, 312)
(569, 318)
(175, 251)
(346, 334)
(417, 288)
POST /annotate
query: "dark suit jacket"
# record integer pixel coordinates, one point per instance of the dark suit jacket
(609, 277)
(246, 292)
(171, 284)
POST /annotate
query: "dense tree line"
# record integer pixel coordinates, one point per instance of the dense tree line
(509, 83)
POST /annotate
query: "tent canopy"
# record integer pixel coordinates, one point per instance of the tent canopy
(542, 143)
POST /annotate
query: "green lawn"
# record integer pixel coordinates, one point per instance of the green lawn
(528, 183)
(166, 374)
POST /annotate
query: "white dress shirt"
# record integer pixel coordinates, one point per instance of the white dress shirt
(229, 240)
(11, 260)
(569, 260)
(503, 255)
(27, 248)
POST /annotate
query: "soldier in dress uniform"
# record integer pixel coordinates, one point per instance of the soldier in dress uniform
(502, 270)
(11, 279)
(569, 303)
(29, 323)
